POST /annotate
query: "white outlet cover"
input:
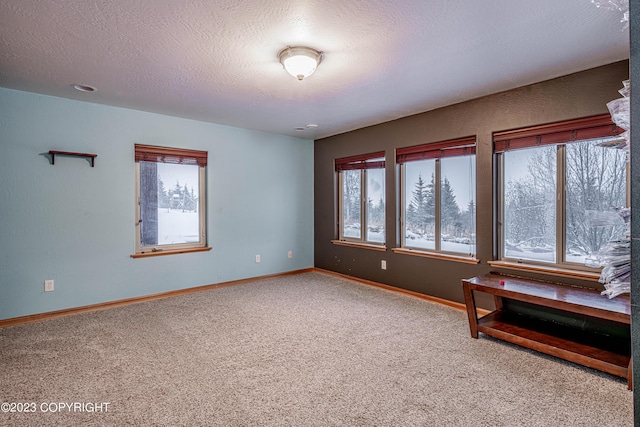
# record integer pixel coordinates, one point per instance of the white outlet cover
(48, 285)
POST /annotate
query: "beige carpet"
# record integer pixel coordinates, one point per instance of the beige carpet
(303, 350)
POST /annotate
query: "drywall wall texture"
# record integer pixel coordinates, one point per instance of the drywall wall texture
(578, 95)
(75, 224)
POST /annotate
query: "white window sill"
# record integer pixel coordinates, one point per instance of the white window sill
(437, 255)
(553, 271)
(360, 245)
(173, 252)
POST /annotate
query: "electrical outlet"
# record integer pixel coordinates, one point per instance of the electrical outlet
(48, 285)
(290, 254)
(383, 264)
(257, 258)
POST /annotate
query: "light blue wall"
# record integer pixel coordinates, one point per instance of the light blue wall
(75, 224)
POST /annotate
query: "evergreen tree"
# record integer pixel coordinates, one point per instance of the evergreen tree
(450, 218)
(419, 194)
(176, 196)
(468, 220)
(194, 200)
(410, 217)
(429, 210)
(186, 199)
(421, 207)
(163, 199)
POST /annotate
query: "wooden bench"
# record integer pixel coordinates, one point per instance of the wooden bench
(571, 341)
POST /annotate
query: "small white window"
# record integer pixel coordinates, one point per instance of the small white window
(362, 198)
(171, 201)
(552, 180)
(438, 196)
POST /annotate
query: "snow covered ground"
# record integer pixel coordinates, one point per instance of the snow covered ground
(176, 226)
(427, 242)
(415, 241)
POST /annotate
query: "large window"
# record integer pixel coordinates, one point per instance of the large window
(170, 194)
(438, 196)
(558, 185)
(362, 198)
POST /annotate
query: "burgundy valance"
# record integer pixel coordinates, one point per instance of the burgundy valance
(150, 153)
(361, 161)
(586, 128)
(436, 150)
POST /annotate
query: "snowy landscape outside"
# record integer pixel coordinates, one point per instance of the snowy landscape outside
(595, 181)
(374, 209)
(457, 205)
(177, 204)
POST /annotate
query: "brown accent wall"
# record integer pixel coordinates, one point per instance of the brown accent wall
(577, 95)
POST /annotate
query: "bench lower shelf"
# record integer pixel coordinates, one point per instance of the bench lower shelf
(575, 324)
(612, 354)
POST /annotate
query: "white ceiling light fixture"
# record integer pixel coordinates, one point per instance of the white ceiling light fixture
(300, 61)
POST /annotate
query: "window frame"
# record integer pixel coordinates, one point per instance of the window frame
(157, 154)
(458, 147)
(557, 134)
(363, 163)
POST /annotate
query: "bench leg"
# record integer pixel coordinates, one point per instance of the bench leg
(470, 302)
(498, 302)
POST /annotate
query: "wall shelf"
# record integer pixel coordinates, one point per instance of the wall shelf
(53, 154)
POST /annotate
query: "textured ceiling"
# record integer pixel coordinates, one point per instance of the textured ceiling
(217, 60)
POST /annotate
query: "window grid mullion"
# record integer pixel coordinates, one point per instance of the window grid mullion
(628, 184)
(561, 213)
(202, 204)
(363, 205)
(437, 212)
(500, 207)
(403, 204)
(138, 211)
(341, 181)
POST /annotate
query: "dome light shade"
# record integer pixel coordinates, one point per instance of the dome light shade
(300, 61)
